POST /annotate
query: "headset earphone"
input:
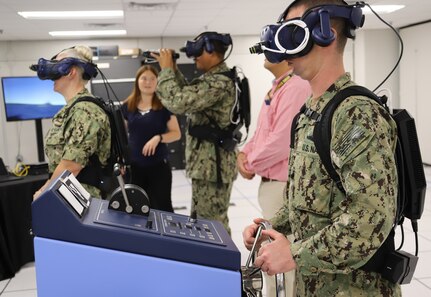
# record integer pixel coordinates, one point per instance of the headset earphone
(204, 41)
(208, 37)
(282, 17)
(296, 37)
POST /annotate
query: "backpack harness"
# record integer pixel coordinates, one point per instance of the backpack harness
(409, 201)
(96, 174)
(229, 137)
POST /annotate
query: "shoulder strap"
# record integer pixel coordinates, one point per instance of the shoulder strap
(294, 125)
(231, 73)
(322, 131)
(96, 100)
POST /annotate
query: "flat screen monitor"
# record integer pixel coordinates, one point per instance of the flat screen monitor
(29, 98)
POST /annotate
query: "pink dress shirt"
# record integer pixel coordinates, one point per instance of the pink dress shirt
(268, 150)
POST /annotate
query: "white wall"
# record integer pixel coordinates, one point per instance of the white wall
(415, 82)
(375, 54)
(368, 59)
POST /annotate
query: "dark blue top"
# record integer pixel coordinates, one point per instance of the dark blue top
(142, 126)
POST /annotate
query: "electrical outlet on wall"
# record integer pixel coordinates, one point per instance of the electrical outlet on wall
(19, 158)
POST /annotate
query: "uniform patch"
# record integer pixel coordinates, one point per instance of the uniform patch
(349, 141)
(308, 144)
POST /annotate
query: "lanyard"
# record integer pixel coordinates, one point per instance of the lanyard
(268, 96)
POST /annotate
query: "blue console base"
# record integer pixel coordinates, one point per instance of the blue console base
(69, 270)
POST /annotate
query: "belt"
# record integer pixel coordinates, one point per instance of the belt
(265, 179)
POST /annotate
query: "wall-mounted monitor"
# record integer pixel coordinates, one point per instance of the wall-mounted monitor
(29, 98)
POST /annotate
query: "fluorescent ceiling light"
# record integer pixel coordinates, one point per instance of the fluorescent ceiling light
(88, 33)
(382, 9)
(100, 14)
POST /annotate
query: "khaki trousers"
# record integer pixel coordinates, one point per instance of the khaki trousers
(271, 199)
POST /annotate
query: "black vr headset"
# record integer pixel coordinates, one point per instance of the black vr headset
(296, 37)
(195, 47)
(53, 69)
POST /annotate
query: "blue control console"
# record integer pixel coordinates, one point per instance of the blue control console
(161, 234)
(86, 237)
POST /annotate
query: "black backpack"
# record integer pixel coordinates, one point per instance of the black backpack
(395, 265)
(95, 173)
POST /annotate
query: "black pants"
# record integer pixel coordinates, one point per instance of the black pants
(156, 180)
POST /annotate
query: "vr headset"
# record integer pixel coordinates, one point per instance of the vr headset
(195, 48)
(53, 69)
(296, 37)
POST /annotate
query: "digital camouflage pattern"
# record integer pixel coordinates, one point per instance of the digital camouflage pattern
(77, 134)
(214, 94)
(336, 233)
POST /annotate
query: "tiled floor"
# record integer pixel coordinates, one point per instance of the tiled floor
(244, 208)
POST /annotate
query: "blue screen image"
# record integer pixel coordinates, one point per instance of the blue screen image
(29, 98)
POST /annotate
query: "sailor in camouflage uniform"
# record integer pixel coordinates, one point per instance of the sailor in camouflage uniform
(79, 131)
(335, 233)
(212, 95)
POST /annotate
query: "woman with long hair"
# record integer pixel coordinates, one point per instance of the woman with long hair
(151, 126)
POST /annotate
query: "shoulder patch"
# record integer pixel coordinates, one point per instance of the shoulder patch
(349, 141)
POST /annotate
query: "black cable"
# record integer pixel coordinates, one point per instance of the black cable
(399, 37)
(415, 230)
(401, 198)
(402, 238)
(107, 84)
(414, 222)
(8, 282)
(224, 59)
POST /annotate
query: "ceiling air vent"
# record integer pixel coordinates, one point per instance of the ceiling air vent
(102, 25)
(151, 5)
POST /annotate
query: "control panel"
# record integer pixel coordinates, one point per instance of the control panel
(181, 227)
(162, 223)
(110, 217)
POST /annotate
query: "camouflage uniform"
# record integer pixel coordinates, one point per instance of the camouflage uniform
(77, 134)
(336, 233)
(213, 94)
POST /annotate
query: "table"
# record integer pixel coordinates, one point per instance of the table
(16, 243)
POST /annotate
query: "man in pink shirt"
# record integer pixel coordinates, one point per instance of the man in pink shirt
(267, 152)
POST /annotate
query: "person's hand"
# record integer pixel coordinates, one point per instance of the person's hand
(275, 256)
(151, 145)
(37, 194)
(241, 162)
(249, 233)
(165, 58)
(40, 191)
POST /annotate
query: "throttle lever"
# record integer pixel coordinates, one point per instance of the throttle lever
(252, 283)
(117, 172)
